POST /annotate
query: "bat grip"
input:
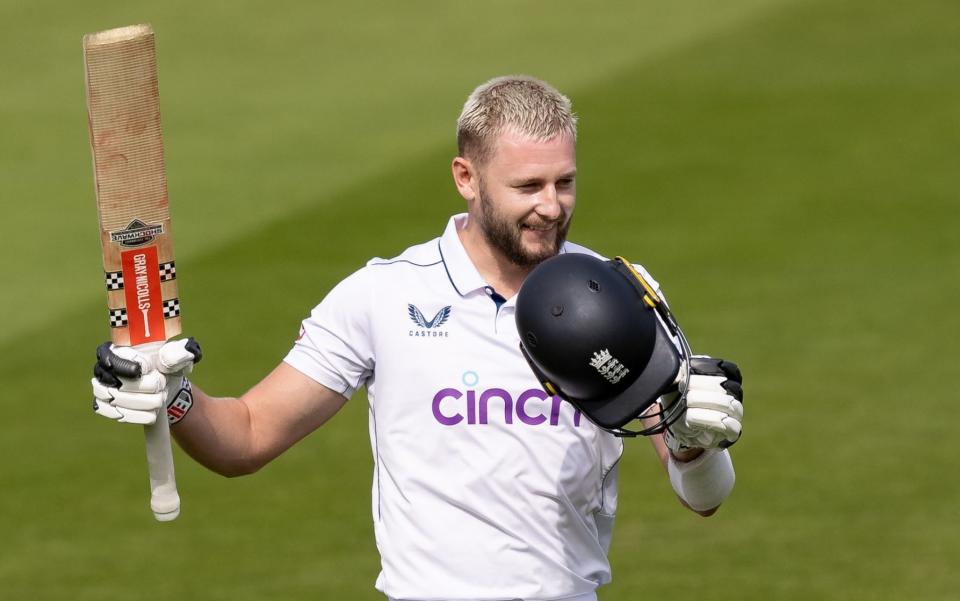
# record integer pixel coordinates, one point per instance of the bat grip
(164, 499)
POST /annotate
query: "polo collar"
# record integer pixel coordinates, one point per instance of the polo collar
(460, 269)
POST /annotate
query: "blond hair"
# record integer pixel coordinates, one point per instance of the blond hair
(528, 105)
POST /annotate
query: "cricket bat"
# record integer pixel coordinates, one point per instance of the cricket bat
(123, 105)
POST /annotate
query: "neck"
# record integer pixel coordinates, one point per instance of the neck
(499, 272)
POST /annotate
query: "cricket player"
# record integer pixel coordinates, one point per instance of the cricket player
(484, 486)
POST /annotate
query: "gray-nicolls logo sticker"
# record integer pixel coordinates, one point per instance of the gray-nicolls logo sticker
(608, 366)
(137, 233)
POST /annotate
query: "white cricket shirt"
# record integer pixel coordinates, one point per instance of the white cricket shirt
(484, 486)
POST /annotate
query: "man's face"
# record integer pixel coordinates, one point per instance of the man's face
(527, 193)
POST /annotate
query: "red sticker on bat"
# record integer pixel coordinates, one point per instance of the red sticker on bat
(141, 278)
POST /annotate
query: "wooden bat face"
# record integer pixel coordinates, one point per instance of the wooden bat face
(123, 103)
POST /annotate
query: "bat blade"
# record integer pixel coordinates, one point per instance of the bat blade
(123, 105)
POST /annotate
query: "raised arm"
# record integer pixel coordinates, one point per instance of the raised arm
(238, 436)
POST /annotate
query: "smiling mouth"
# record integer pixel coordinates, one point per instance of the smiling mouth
(539, 228)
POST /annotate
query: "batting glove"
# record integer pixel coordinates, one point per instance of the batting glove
(130, 386)
(714, 410)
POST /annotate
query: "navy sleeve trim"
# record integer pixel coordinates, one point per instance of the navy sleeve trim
(406, 261)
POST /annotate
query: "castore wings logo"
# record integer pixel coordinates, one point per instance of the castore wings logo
(429, 327)
(438, 320)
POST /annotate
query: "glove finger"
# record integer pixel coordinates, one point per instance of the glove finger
(709, 383)
(732, 370)
(704, 365)
(194, 347)
(131, 354)
(106, 377)
(102, 392)
(705, 419)
(144, 401)
(179, 355)
(732, 439)
(734, 388)
(720, 402)
(120, 360)
(132, 416)
(124, 416)
(152, 381)
(106, 409)
(737, 411)
(734, 427)
(716, 384)
(124, 399)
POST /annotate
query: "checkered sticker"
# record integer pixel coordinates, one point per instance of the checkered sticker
(118, 318)
(171, 308)
(114, 279)
(168, 271)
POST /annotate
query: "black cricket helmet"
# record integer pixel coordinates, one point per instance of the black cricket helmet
(590, 331)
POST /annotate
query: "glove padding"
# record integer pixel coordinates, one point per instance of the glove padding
(131, 386)
(714, 410)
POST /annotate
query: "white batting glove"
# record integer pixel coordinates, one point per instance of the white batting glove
(178, 356)
(714, 406)
(131, 386)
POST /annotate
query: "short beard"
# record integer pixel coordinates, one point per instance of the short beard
(506, 237)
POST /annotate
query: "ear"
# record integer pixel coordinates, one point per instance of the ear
(465, 177)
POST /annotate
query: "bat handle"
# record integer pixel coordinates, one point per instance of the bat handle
(164, 499)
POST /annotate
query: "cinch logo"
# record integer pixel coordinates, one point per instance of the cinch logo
(429, 327)
(532, 407)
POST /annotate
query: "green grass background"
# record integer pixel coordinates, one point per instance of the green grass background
(788, 169)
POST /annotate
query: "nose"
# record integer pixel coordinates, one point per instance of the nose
(549, 206)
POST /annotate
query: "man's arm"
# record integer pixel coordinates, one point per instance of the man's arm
(238, 436)
(685, 456)
(660, 448)
(229, 436)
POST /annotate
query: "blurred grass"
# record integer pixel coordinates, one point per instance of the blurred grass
(269, 108)
(790, 181)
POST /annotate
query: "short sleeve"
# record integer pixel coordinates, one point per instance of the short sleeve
(335, 345)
